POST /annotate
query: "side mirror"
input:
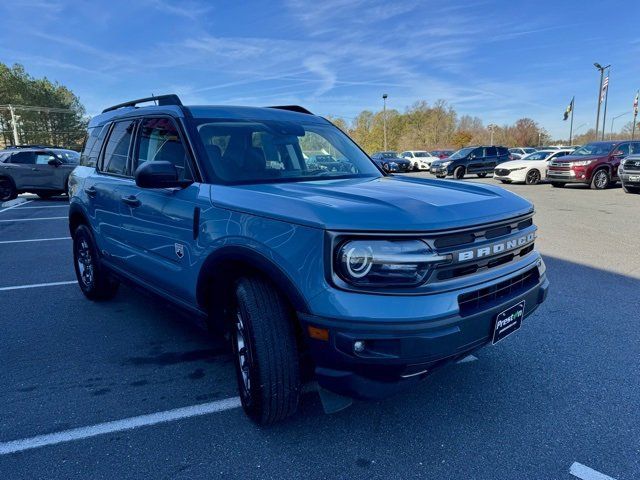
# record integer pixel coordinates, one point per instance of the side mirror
(54, 162)
(618, 153)
(159, 174)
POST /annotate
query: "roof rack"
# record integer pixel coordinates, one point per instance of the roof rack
(292, 108)
(161, 100)
(17, 147)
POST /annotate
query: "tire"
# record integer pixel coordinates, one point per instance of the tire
(264, 345)
(558, 184)
(459, 172)
(7, 190)
(633, 190)
(482, 175)
(533, 177)
(94, 281)
(600, 180)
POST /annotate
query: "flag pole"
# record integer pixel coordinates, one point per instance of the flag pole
(635, 115)
(573, 106)
(606, 98)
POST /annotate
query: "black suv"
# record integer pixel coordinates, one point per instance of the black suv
(479, 160)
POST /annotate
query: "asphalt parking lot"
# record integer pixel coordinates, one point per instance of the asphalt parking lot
(564, 389)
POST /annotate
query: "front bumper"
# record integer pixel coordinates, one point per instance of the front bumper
(568, 176)
(512, 176)
(399, 353)
(630, 178)
(437, 170)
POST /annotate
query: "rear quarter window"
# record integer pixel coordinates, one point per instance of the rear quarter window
(91, 151)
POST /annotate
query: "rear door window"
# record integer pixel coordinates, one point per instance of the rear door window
(491, 152)
(117, 149)
(24, 158)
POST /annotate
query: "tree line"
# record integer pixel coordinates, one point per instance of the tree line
(45, 112)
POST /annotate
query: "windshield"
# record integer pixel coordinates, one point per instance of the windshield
(537, 156)
(463, 152)
(272, 151)
(602, 148)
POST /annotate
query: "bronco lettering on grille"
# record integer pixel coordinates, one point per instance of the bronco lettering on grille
(496, 248)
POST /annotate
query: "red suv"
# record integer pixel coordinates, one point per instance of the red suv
(595, 164)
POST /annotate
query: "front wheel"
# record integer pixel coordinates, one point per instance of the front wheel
(533, 177)
(7, 190)
(264, 344)
(600, 180)
(459, 172)
(94, 281)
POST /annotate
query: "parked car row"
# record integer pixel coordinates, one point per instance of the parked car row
(597, 164)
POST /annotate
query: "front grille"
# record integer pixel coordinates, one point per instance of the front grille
(477, 238)
(633, 166)
(479, 300)
(502, 172)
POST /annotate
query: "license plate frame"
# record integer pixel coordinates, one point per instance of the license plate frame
(508, 321)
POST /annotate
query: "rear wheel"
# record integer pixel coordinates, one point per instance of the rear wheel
(94, 281)
(264, 344)
(600, 180)
(459, 172)
(558, 184)
(7, 190)
(533, 177)
(627, 189)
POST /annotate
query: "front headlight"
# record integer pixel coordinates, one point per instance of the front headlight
(379, 263)
(445, 164)
(516, 169)
(582, 163)
(621, 166)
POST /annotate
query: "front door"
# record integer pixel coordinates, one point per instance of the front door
(160, 224)
(490, 159)
(476, 161)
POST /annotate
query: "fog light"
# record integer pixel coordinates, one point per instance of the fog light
(358, 346)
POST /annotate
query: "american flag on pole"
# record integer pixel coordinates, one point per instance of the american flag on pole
(603, 93)
(635, 104)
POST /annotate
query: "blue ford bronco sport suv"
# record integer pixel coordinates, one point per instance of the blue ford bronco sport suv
(366, 280)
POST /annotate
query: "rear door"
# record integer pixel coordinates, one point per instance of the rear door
(21, 167)
(161, 224)
(102, 189)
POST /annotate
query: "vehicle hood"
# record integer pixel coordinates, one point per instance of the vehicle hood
(374, 204)
(521, 163)
(578, 158)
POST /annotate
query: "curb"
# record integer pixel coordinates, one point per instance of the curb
(13, 203)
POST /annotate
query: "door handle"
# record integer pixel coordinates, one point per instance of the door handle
(91, 191)
(131, 200)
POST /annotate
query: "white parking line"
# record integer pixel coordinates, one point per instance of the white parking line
(42, 206)
(118, 425)
(37, 285)
(14, 205)
(586, 473)
(4, 242)
(34, 219)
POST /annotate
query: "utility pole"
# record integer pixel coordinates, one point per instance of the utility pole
(601, 69)
(635, 115)
(606, 100)
(384, 118)
(16, 140)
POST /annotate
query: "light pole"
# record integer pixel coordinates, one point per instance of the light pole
(613, 120)
(14, 124)
(602, 69)
(384, 118)
(492, 127)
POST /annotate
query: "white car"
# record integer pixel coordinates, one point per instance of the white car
(420, 159)
(518, 152)
(530, 169)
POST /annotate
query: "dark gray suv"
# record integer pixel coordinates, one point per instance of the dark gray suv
(43, 171)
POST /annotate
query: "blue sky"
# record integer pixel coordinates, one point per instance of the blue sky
(500, 60)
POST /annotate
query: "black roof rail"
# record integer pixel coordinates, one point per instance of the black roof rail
(17, 147)
(292, 108)
(171, 99)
